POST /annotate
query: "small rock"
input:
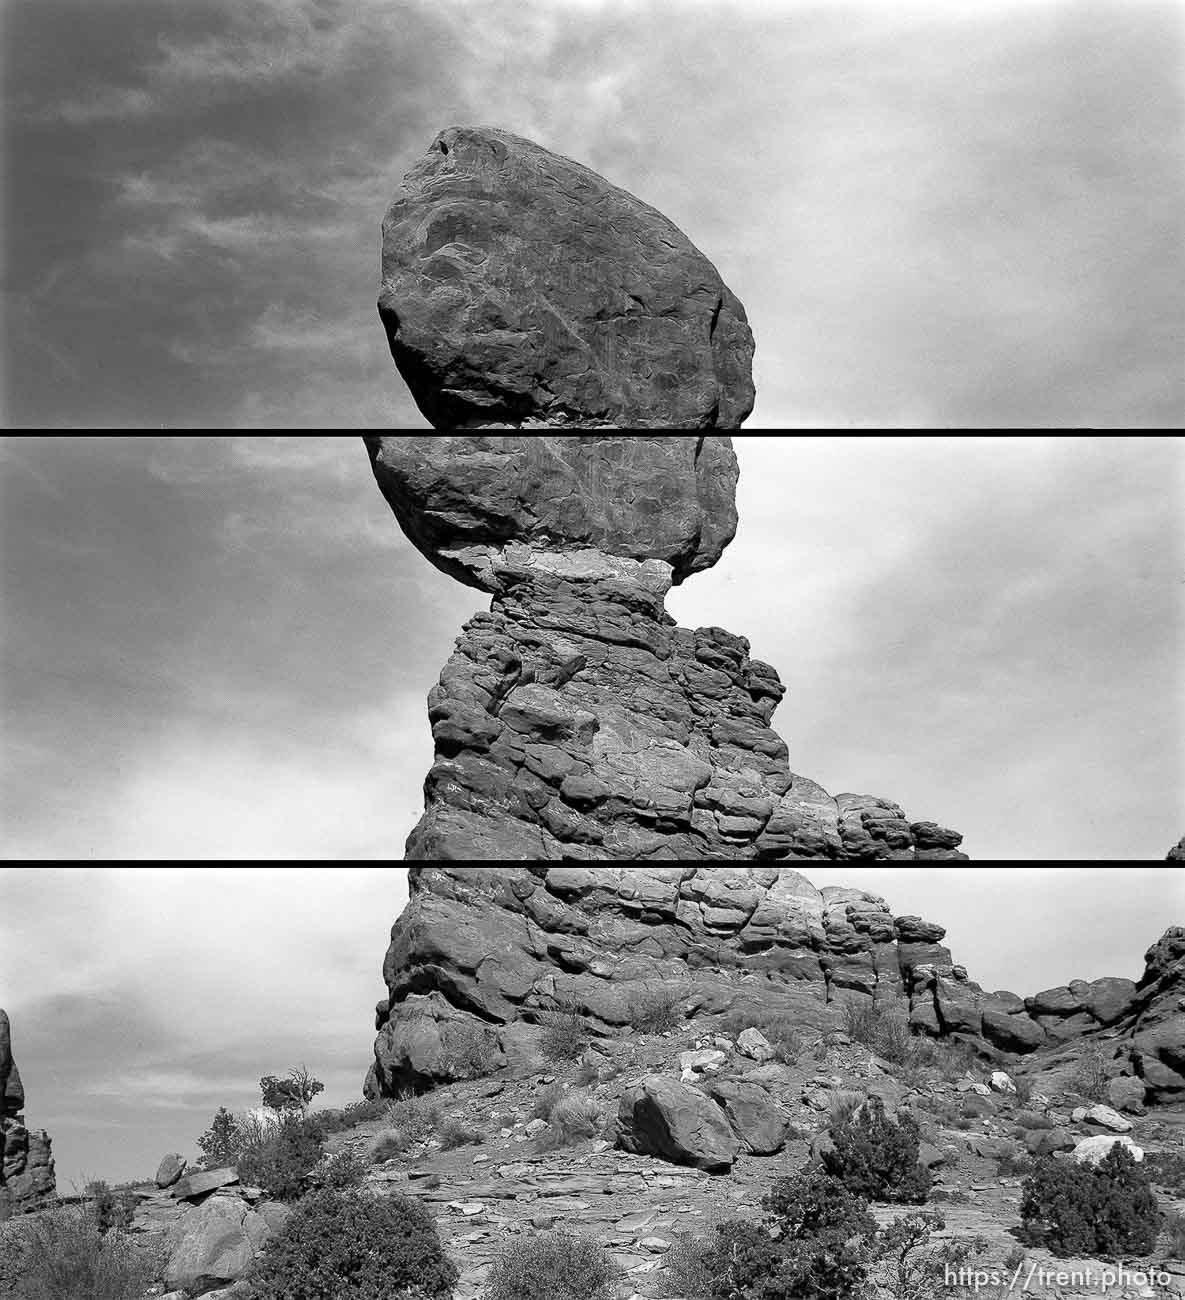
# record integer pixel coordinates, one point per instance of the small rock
(1002, 1082)
(754, 1044)
(1104, 1117)
(655, 1245)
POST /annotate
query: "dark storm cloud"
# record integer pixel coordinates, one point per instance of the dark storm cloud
(955, 217)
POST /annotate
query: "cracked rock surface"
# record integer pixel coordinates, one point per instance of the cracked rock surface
(522, 290)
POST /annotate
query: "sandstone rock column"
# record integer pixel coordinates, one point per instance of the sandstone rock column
(575, 720)
(27, 1168)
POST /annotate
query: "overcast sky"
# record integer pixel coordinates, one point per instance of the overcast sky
(221, 647)
(144, 999)
(954, 215)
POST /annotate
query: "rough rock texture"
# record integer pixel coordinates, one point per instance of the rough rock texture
(495, 951)
(481, 507)
(26, 1158)
(1177, 854)
(677, 1122)
(218, 1241)
(521, 290)
(575, 720)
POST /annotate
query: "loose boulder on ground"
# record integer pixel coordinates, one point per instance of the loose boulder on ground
(1094, 1150)
(751, 1112)
(673, 1121)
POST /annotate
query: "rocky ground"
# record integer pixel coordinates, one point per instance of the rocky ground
(638, 1206)
(508, 1183)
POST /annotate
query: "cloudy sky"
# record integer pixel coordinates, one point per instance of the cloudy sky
(938, 215)
(220, 647)
(142, 999)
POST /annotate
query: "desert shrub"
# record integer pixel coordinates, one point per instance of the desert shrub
(1090, 1075)
(689, 1267)
(393, 1147)
(909, 1262)
(1107, 1211)
(471, 1051)
(878, 1159)
(223, 1142)
(588, 1073)
(64, 1256)
(655, 1011)
(1174, 1235)
(282, 1164)
(414, 1119)
(564, 1038)
(843, 1106)
(861, 1021)
(339, 1172)
(955, 1060)
(455, 1133)
(557, 1265)
(780, 1029)
(546, 1100)
(1024, 1090)
(575, 1118)
(111, 1209)
(1167, 1170)
(893, 1039)
(1029, 1121)
(355, 1247)
(814, 1242)
(350, 1117)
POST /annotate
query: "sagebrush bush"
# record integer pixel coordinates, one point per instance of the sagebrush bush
(877, 1158)
(413, 1119)
(655, 1011)
(574, 1118)
(690, 1268)
(64, 1256)
(355, 1247)
(456, 1133)
(861, 1021)
(282, 1163)
(1107, 1211)
(111, 1209)
(1015, 1164)
(358, 1112)
(564, 1038)
(339, 1172)
(558, 1265)
(470, 1051)
(909, 1262)
(546, 1100)
(814, 1243)
(1090, 1075)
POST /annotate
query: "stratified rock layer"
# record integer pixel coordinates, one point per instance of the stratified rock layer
(522, 290)
(470, 502)
(27, 1168)
(492, 953)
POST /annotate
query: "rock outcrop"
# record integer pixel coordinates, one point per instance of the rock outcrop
(490, 954)
(522, 290)
(576, 721)
(1177, 854)
(27, 1168)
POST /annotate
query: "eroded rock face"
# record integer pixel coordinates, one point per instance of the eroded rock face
(26, 1157)
(478, 506)
(522, 290)
(492, 953)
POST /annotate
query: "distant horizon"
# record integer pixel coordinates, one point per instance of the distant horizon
(197, 982)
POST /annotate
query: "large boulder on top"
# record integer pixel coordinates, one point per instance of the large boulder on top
(522, 290)
(472, 503)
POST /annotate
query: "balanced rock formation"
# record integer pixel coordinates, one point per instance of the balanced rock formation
(486, 956)
(576, 721)
(521, 290)
(27, 1168)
